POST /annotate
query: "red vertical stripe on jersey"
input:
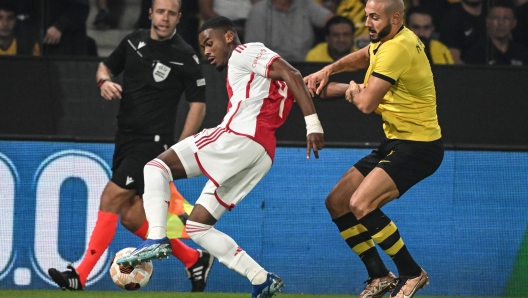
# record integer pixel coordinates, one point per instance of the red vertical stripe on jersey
(229, 91)
(269, 65)
(248, 86)
(269, 114)
(231, 119)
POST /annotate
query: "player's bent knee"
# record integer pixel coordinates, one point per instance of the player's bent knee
(337, 204)
(196, 230)
(157, 169)
(360, 206)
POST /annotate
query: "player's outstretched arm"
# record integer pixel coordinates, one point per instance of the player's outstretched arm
(352, 62)
(109, 89)
(282, 70)
(333, 91)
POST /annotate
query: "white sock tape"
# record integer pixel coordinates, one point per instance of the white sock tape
(312, 124)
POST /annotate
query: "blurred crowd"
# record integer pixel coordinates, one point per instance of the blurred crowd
(492, 32)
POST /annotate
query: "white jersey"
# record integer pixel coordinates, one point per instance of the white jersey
(257, 105)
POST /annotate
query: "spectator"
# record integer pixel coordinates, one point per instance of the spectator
(498, 48)
(286, 26)
(11, 41)
(65, 25)
(463, 27)
(339, 41)
(436, 8)
(520, 32)
(102, 19)
(355, 11)
(420, 21)
(236, 10)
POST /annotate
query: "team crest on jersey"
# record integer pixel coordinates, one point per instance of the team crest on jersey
(161, 72)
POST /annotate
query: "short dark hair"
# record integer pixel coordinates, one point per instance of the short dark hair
(218, 23)
(418, 10)
(179, 4)
(8, 5)
(338, 20)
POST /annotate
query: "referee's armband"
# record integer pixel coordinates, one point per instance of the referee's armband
(313, 125)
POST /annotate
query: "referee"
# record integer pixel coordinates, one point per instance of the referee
(398, 85)
(158, 67)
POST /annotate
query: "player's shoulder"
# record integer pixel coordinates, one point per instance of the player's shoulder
(404, 39)
(249, 48)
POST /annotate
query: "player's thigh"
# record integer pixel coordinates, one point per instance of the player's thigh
(114, 197)
(217, 198)
(376, 190)
(409, 162)
(128, 174)
(338, 200)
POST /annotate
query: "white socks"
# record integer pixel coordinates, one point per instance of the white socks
(156, 198)
(226, 250)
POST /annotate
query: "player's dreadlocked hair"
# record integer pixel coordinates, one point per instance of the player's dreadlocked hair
(218, 23)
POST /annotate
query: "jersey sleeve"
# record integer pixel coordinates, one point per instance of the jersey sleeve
(255, 58)
(193, 79)
(116, 61)
(393, 59)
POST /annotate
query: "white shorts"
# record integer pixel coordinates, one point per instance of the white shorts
(234, 164)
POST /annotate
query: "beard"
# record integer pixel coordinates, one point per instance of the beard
(382, 33)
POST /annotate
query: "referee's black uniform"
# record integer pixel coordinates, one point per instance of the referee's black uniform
(156, 73)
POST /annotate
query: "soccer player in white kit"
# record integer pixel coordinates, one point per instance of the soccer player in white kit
(235, 155)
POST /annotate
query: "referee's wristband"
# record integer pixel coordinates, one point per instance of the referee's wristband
(101, 82)
(312, 124)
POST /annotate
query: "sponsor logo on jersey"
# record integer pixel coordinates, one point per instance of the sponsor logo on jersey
(161, 72)
(255, 61)
(200, 82)
(141, 44)
(129, 180)
(196, 59)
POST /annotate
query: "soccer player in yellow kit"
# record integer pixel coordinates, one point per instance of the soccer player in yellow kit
(399, 86)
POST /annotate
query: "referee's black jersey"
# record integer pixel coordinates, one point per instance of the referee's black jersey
(156, 73)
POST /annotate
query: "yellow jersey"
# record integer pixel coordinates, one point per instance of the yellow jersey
(439, 53)
(319, 53)
(408, 109)
(12, 49)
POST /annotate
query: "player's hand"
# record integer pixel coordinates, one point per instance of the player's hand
(111, 90)
(314, 141)
(53, 36)
(316, 81)
(353, 90)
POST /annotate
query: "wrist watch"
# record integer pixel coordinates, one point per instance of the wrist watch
(101, 81)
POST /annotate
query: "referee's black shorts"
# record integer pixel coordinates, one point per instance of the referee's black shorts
(406, 162)
(131, 153)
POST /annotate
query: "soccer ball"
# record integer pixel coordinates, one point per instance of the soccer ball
(130, 278)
